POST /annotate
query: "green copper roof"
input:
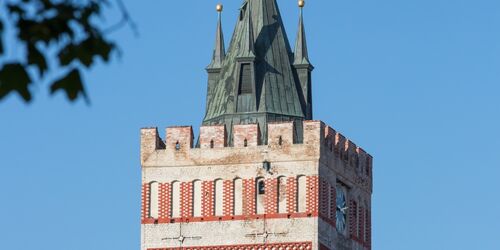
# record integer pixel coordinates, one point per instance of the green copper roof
(259, 40)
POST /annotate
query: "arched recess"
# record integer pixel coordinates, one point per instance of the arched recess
(260, 191)
(176, 200)
(301, 194)
(282, 199)
(154, 200)
(238, 196)
(219, 197)
(197, 194)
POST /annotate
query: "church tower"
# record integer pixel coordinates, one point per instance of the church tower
(262, 174)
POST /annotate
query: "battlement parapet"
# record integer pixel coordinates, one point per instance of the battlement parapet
(316, 135)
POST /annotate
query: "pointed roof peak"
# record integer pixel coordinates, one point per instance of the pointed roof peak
(301, 53)
(220, 49)
(247, 49)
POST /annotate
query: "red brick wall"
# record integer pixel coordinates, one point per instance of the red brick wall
(249, 203)
(324, 198)
(208, 205)
(186, 199)
(312, 195)
(291, 190)
(361, 224)
(145, 201)
(353, 214)
(165, 197)
(269, 246)
(270, 201)
(228, 198)
(271, 196)
(368, 229)
(333, 205)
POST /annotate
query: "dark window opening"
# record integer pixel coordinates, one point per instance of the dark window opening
(212, 144)
(245, 143)
(177, 146)
(261, 187)
(245, 81)
(280, 141)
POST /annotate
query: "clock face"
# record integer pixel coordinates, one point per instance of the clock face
(341, 215)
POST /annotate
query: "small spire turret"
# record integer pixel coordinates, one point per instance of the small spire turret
(301, 54)
(302, 65)
(219, 50)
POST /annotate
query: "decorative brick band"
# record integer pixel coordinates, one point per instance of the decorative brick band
(228, 198)
(269, 246)
(249, 202)
(186, 199)
(165, 200)
(208, 206)
(271, 196)
(312, 195)
(291, 189)
(145, 202)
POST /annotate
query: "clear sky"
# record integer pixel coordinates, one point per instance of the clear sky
(416, 83)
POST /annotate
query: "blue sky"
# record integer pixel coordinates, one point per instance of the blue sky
(416, 83)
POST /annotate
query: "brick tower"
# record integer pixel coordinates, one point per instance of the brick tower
(262, 174)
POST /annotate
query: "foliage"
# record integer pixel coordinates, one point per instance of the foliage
(56, 36)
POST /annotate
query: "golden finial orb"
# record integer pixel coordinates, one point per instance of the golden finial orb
(302, 3)
(219, 7)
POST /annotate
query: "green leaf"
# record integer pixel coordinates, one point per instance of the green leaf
(13, 77)
(36, 58)
(71, 84)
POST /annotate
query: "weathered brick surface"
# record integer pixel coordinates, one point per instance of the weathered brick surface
(325, 159)
(180, 138)
(246, 135)
(213, 137)
(280, 133)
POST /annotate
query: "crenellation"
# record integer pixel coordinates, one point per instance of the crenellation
(179, 138)
(280, 133)
(150, 142)
(213, 137)
(247, 135)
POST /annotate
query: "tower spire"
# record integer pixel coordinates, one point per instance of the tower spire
(219, 50)
(301, 54)
(303, 66)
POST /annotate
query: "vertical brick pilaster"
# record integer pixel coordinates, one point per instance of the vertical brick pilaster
(186, 199)
(249, 202)
(353, 212)
(368, 229)
(165, 195)
(145, 201)
(333, 205)
(323, 198)
(271, 196)
(208, 207)
(361, 224)
(312, 195)
(291, 189)
(228, 198)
